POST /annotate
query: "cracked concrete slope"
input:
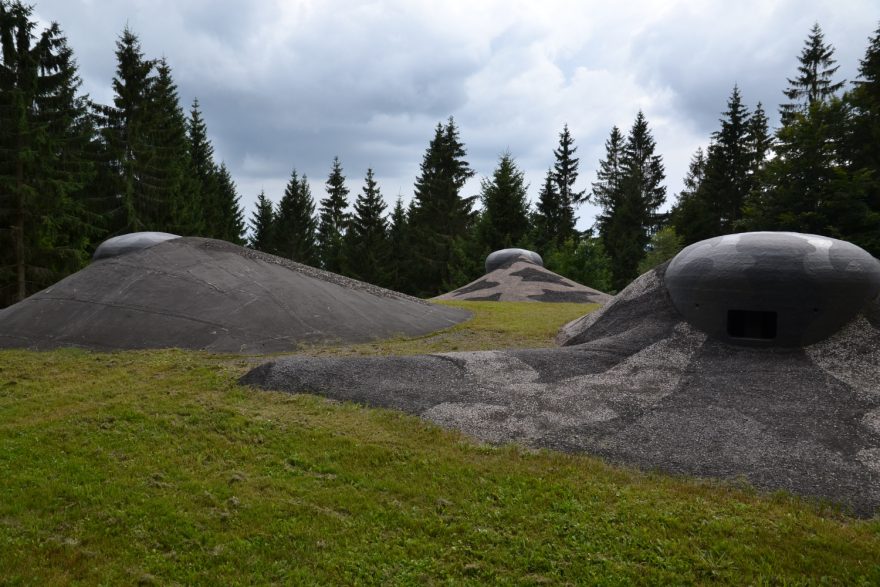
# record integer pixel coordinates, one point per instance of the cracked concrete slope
(198, 293)
(639, 385)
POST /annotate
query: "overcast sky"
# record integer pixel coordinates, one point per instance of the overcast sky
(289, 84)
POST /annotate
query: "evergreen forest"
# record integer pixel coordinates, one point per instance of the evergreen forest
(74, 173)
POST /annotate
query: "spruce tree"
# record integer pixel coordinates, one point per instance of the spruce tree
(218, 213)
(168, 183)
(644, 171)
(565, 174)
(295, 224)
(262, 225)
(619, 222)
(629, 217)
(400, 252)
(231, 226)
(811, 184)
(547, 217)
(333, 219)
(367, 247)
(692, 216)
(760, 141)
(440, 219)
(504, 221)
(814, 82)
(863, 140)
(43, 137)
(608, 187)
(206, 195)
(729, 166)
(128, 150)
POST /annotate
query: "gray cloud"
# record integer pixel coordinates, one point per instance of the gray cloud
(286, 83)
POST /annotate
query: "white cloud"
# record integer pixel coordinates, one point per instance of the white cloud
(287, 83)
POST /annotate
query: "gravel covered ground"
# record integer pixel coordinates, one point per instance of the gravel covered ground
(637, 385)
(521, 280)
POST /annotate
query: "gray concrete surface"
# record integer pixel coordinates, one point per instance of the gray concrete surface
(521, 279)
(772, 288)
(636, 384)
(207, 294)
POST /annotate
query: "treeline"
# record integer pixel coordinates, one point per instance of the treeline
(819, 173)
(439, 241)
(73, 173)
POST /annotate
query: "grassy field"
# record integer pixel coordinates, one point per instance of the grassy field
(157, 468)
(494, 325)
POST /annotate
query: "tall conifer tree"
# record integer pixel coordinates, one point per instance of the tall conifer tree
(504, 221)
(400, 256)
(814, 82)
(204, 173)
(608, 187)
(554, 220)
(645, 172)
(440, 219)
(262, 225)
(810, 185)
(43, 135)
(168, 182)
(231, 226)
(629, 217)
(547, 217)
(333, 219)
(863, 145)
(129, 153)
(691, 215)
(295, 224)
(728, 175)
(565, 174)
(367, 246)
(760, 140)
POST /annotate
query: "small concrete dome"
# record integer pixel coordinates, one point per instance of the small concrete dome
(504, 256)
(772, 288)
(129, 243)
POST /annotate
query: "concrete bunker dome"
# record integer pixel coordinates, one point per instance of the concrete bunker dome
(504, 256)
(637, 382)
(772, 288)
(519, 275)
(130, 243)
(163, 291)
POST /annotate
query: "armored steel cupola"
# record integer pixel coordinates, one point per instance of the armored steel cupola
(130, 243)
(505, 256)
(772, 288)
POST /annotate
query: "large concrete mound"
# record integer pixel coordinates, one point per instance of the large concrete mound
(207, 294)
(639, 384)
(518, 275)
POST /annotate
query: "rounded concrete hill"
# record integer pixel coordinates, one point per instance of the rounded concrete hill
(198, 293)
(638, 382)
(517, 275)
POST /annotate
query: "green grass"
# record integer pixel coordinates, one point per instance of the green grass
(157, 468)
(494, 325)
